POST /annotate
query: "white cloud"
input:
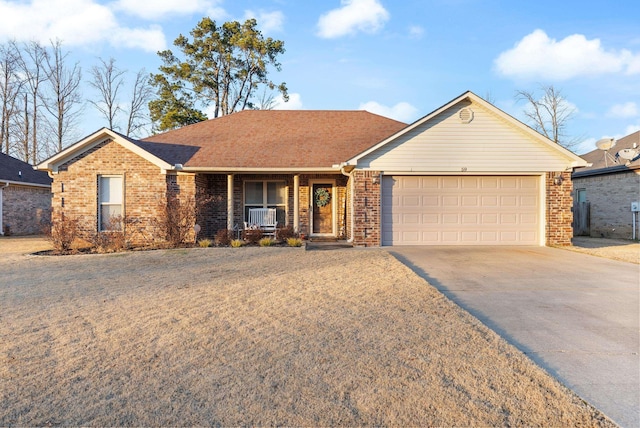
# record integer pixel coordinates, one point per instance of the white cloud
(402, 111)
(585, 146)
(294, 103)
(74, 22)
(538, 56)
(154, 9)
(631, 129)
(353, 16)
(416, 32)
(629, 109)
(269, 22)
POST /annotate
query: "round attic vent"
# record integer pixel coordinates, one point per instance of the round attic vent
(465, 115)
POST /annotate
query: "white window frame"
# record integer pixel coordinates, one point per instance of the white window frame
(101, 203)
(265, 203)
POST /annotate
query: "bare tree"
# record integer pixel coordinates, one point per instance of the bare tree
(32, 63)
(108, 81)
(141, 94)
(10, 86)
(549, 114)
(63, 97)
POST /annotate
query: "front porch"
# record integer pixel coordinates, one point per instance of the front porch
(311, 204)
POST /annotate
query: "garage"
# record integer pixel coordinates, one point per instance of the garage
(461, 210)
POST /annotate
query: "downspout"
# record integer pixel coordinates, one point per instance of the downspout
(351, 189)
(1, 204)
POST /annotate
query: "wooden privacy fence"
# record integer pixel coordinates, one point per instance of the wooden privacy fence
(581, 219)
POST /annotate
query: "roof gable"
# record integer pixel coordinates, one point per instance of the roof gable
(98, 137)
(15, 171)
(491, 141)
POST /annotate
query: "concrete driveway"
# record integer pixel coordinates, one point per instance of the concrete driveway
(575, 315)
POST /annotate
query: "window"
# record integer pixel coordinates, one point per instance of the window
(266, 194)
(581, 195)
(109, 202)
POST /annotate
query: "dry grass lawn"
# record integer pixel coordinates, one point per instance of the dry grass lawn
(256, 336)
(615, 249)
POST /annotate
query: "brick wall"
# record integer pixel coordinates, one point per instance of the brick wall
(367, 209)
(25, 209)
(75, 189)
(610, 197)
(559, 215)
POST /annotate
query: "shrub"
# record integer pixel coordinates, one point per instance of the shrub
(237, 243)
(294, 242)
(266, 242)
(223, 237)
(176, 220)
(111, 240)
(62, 232)
(253, 236)
(286, 232)
(204, 243)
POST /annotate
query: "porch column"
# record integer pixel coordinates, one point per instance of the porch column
(296, 203)
(229, 201)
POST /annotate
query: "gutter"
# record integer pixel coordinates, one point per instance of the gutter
(352, 220)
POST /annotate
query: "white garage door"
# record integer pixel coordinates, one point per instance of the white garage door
(469, 210)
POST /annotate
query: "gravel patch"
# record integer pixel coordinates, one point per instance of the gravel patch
(256, 336)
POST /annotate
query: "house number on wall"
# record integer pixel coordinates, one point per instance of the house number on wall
(463, 169)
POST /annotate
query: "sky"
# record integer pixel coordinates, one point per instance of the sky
(401, 59)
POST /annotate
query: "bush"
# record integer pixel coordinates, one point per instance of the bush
(236, 243)
(223, 237)
(266, 242)
(62, 232)
(286, 232)
(294, 242)
(176, 220)
(204, 243)
(253, 236)
(111, 240)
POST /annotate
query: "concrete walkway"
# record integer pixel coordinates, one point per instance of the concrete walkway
(575, 315)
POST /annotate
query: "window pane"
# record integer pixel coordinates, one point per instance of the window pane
(111, 190)
(275, 193)
(107, 214)
(253, 192)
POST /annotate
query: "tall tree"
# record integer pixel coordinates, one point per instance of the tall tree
(32, 64)
(10, 86)
(63, 96)
(549, 113)
(141, 93)
(108, 80)
(222, 68)
(173, 107)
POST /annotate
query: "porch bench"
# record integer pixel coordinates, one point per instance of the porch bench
(263, 219)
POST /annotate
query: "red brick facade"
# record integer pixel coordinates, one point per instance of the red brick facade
(75, 189)
(25, 209)
(367, 208)
(559, 215)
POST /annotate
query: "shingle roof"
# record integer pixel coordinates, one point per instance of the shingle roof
(17, 171)
(272, 139)
(613, 162)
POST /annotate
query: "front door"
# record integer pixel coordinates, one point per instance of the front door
(322, 202)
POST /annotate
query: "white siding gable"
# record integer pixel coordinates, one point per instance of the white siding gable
(444, 144)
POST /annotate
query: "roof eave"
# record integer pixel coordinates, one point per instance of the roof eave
(259, 170)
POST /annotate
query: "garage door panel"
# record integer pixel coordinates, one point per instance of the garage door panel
(470, 210)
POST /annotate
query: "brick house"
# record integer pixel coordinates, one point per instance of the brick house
(467, 173)
(609, 185)
(25, 197)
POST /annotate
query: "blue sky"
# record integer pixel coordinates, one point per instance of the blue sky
(401, 59)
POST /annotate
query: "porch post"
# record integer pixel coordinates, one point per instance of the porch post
(229, 201)
(296, 203)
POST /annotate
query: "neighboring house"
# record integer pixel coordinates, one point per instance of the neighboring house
(610, 184)
(466, 173)
(25, 197)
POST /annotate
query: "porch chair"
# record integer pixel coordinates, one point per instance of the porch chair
(263, 219)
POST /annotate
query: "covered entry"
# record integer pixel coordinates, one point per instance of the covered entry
(461, 210)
